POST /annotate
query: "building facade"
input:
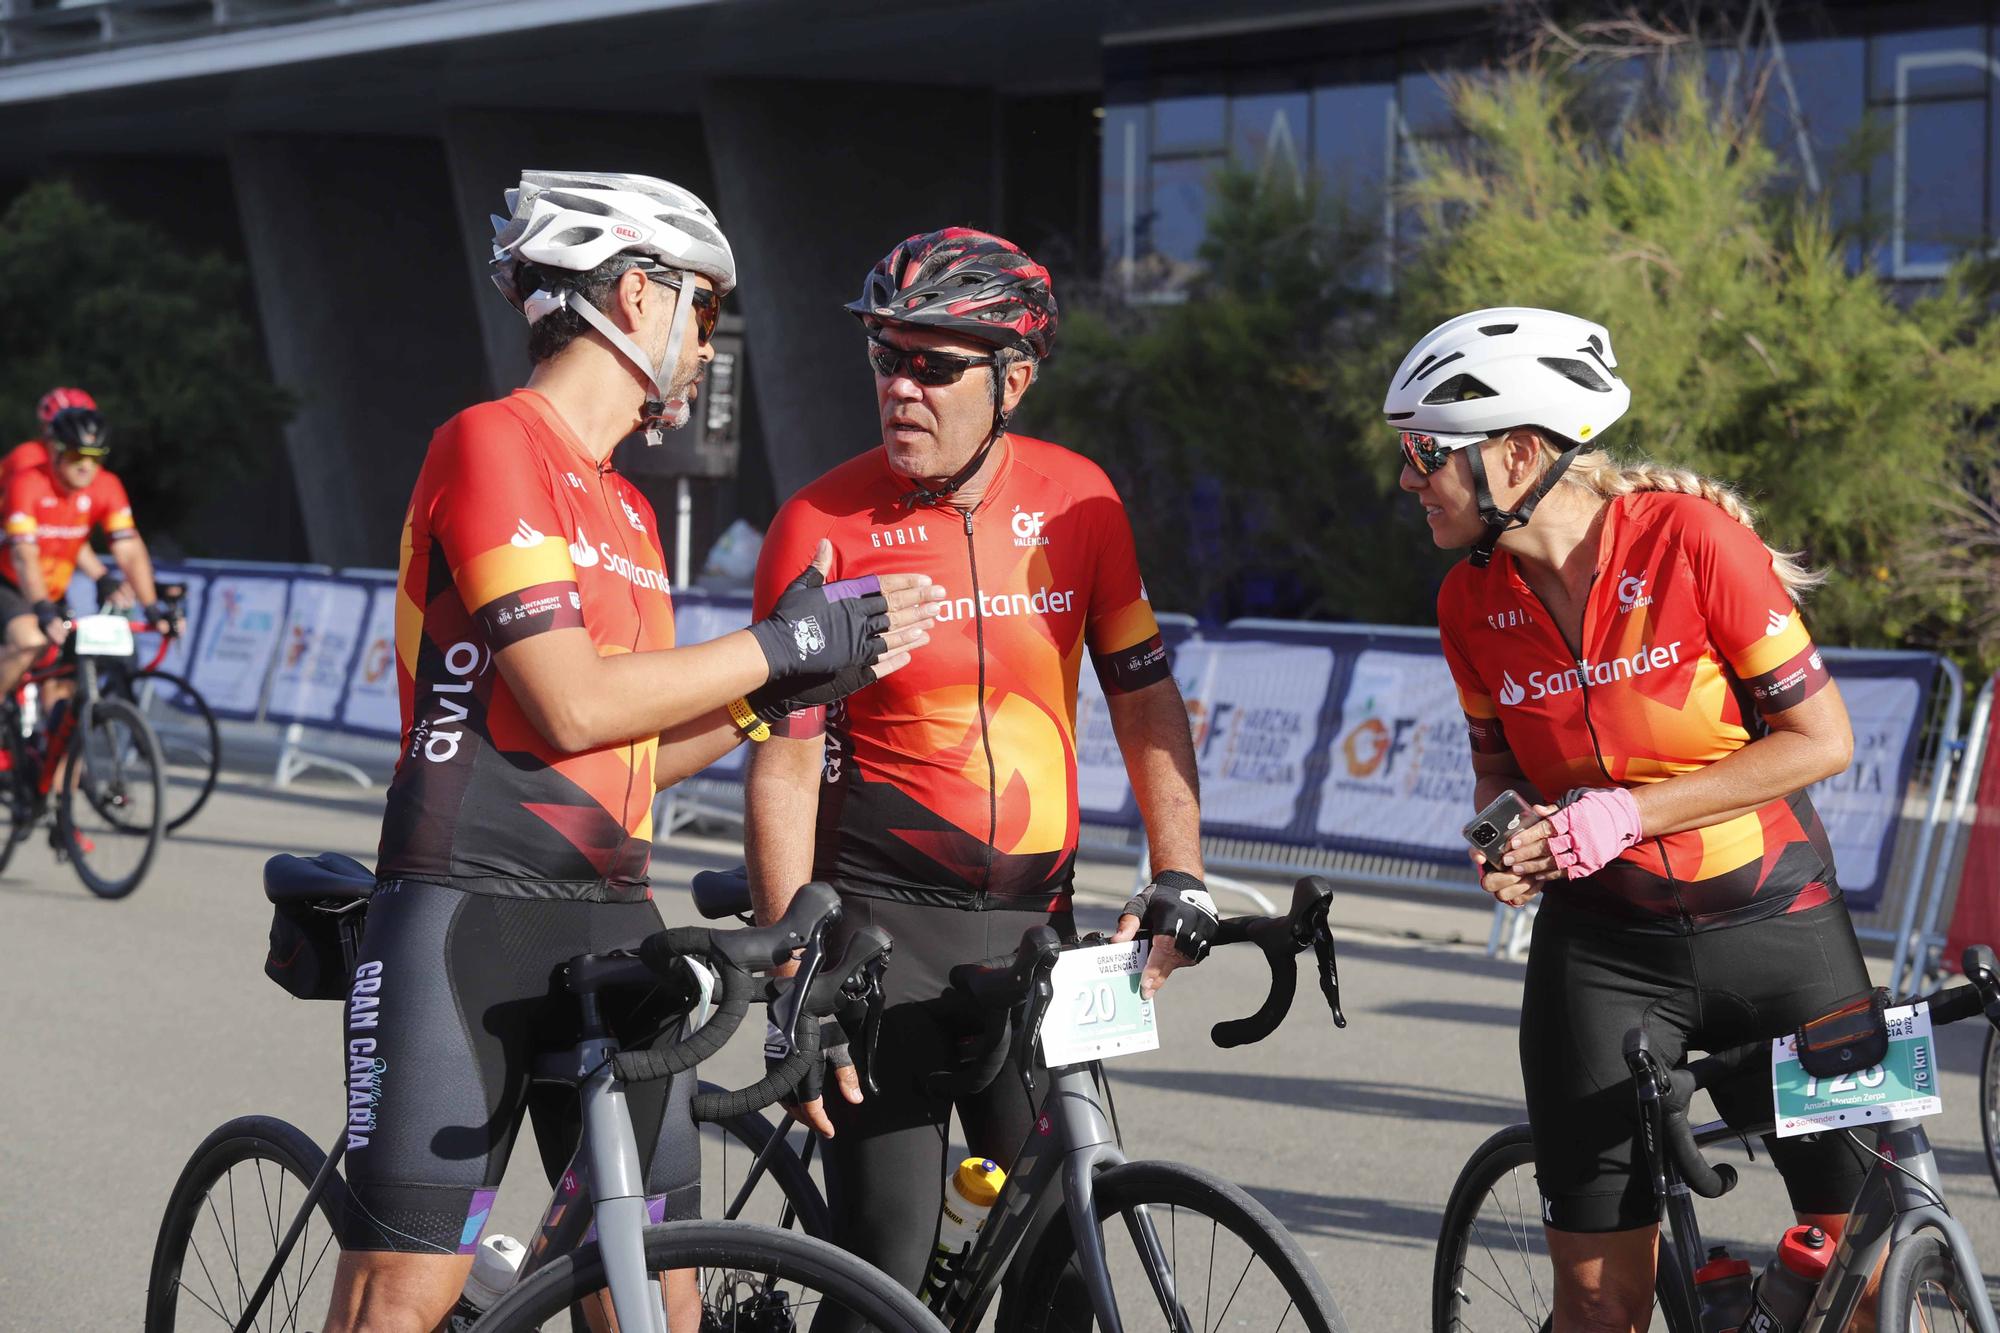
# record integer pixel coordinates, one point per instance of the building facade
(348, 153)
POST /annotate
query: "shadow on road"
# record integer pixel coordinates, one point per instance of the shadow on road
(1379, 1221)
(1449, 1011)
(1397, 1100)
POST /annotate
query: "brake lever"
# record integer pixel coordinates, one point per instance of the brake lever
(1329, 967)
(871, 1027)
(786, 1008)
(1029, 1030)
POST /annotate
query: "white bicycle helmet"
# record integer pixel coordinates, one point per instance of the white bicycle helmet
(579, 220)
(1493, 370)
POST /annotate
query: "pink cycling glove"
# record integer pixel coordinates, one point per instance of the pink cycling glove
(1589, 832)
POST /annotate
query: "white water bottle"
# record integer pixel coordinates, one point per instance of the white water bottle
(969, 1193)
(494, 1267)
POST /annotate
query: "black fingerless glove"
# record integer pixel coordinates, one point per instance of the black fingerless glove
(779, 699)
(47, 613)
(108, 584)
(1176, 906)
(821, 628)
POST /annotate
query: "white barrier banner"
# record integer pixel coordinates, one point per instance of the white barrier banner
(1398, 771)
(1102, 786)
(239, 637)
(1860, 807)
(321, 628)
(1254, 707)
(372, 703)
(698, 621)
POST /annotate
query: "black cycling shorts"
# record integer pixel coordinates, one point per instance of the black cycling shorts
(887, 1161)
(454, 996)
(1589, 982)
(13, 603)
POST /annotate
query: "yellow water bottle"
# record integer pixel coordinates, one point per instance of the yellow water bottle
(969, 1193)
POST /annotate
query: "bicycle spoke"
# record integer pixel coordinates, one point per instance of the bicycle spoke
(1208, 1295)
(1248, 1260)
(227, 1322)
(1499, 1271)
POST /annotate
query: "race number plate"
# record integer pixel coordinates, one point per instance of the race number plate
(1903, 1087)
(1095, 1012)
(103, 636)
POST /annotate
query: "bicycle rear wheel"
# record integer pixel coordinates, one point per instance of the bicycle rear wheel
(112, 811)
(235, 1200)
(1190, 1251)
(741, 1182)
(190, 739)
(753, 1280)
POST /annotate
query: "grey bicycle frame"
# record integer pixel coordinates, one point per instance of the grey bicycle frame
(1893, 1205)
(1071, 1141)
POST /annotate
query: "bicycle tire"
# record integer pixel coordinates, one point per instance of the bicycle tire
(1989, 1092)
(1920, 1270)
(1046, 1297)
(718, 1248)
(112, 773)
(1507, 1151)
(205, 751)
(752, 1131)
(290, 1155)
(17, 814)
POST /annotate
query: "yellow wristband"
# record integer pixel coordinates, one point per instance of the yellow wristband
(745, 717)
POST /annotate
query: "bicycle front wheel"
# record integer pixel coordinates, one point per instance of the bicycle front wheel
(190, 740)
(1989, 1103)
(236, 1200)
(1921, 1290)
(113, 807)
(1181, 1247)
(753, 1279)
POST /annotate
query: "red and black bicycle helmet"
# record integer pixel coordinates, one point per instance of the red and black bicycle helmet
(967, 282)
(70, 419)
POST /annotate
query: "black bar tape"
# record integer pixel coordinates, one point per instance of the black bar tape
(681, 1056)
(1273, 935)
(775, 1086)
(1710, 1182)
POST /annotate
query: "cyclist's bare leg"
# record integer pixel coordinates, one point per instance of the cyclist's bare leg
(383, 1292)
(1604, 1280)
(24, 643)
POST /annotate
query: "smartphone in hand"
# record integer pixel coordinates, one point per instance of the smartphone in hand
(1491, 827)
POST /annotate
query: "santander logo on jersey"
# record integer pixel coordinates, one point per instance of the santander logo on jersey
(1542, 684)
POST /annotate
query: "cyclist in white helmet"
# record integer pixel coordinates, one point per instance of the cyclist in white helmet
(1631, 661)
(543, 703)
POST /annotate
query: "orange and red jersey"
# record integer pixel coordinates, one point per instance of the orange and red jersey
(514, 530)
(1688, 642)
(58, 520)
(953, 781)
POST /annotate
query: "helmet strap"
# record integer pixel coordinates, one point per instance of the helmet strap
(653, 415)
(922, 495)
(1499, 521)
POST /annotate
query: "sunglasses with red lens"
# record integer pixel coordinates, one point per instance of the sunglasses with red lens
(707, 305)
(928, 367)
(1426, 453)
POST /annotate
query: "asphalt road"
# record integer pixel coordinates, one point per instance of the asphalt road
(132, 1028)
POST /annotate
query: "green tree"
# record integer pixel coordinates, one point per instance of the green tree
(1754, 351)
(156, 335)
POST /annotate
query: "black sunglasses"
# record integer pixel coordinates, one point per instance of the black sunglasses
(707, 305)
(928, 367)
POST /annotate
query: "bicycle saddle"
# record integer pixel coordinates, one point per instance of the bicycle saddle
(292, 879)
(720, 893)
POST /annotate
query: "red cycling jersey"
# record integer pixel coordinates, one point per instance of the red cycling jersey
(58, 520)
(513, 531)
(1689, 641)
(953, 781)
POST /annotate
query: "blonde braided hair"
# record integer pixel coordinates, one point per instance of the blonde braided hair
(1606, 477)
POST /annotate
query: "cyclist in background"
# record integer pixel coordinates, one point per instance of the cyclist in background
(1633, 662)
(112, 590)
(543, 703)
(53, 504)
(943, 803)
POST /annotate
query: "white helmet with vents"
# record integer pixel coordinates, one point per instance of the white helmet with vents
(577, 221)
(1511, 366)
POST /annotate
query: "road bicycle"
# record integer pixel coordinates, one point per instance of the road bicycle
(88, 767)
(1493, 1268)
(252, 1230)
(1080, 1237)
(190, 738)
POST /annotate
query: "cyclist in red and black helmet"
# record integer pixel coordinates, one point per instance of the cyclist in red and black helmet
(942, 803)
